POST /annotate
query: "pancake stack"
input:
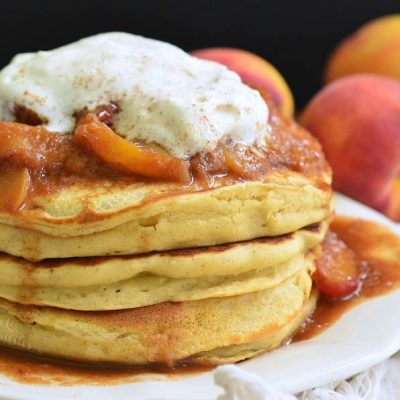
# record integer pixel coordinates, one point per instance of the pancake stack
(153, 208)
(145, 273)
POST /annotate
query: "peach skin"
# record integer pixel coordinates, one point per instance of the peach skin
(374, 48)
(357, 120)
(255, 72)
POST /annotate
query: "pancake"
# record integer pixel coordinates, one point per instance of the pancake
(77, 222)
(146, 289)
(109, 283)
(235, 353)
(201, 262)
(165, 333)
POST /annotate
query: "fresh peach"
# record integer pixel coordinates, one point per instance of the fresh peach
(357, 120)
(255, 72)
(374, 48)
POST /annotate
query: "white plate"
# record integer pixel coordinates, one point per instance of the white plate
(364, 336)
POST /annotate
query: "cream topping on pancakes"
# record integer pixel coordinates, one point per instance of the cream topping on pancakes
(165, 96)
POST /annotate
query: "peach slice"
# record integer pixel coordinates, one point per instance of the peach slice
(28, 146)
(127, 157)
(337, 273)
(14, 187)
(255, 72)
(16, 141)
(236, 160)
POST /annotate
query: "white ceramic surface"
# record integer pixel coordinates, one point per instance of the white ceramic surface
(364, 336)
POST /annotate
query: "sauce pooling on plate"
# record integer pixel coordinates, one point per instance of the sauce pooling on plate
(30, 369)
(377, 251)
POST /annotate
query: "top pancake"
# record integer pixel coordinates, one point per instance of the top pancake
(110, 217)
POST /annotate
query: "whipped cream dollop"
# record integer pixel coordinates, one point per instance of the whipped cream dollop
(164, 95)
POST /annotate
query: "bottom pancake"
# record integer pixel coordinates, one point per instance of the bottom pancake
(235, 353)
(215, 330)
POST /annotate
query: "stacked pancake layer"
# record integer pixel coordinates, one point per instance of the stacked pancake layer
(85, 219)
(243, 289)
